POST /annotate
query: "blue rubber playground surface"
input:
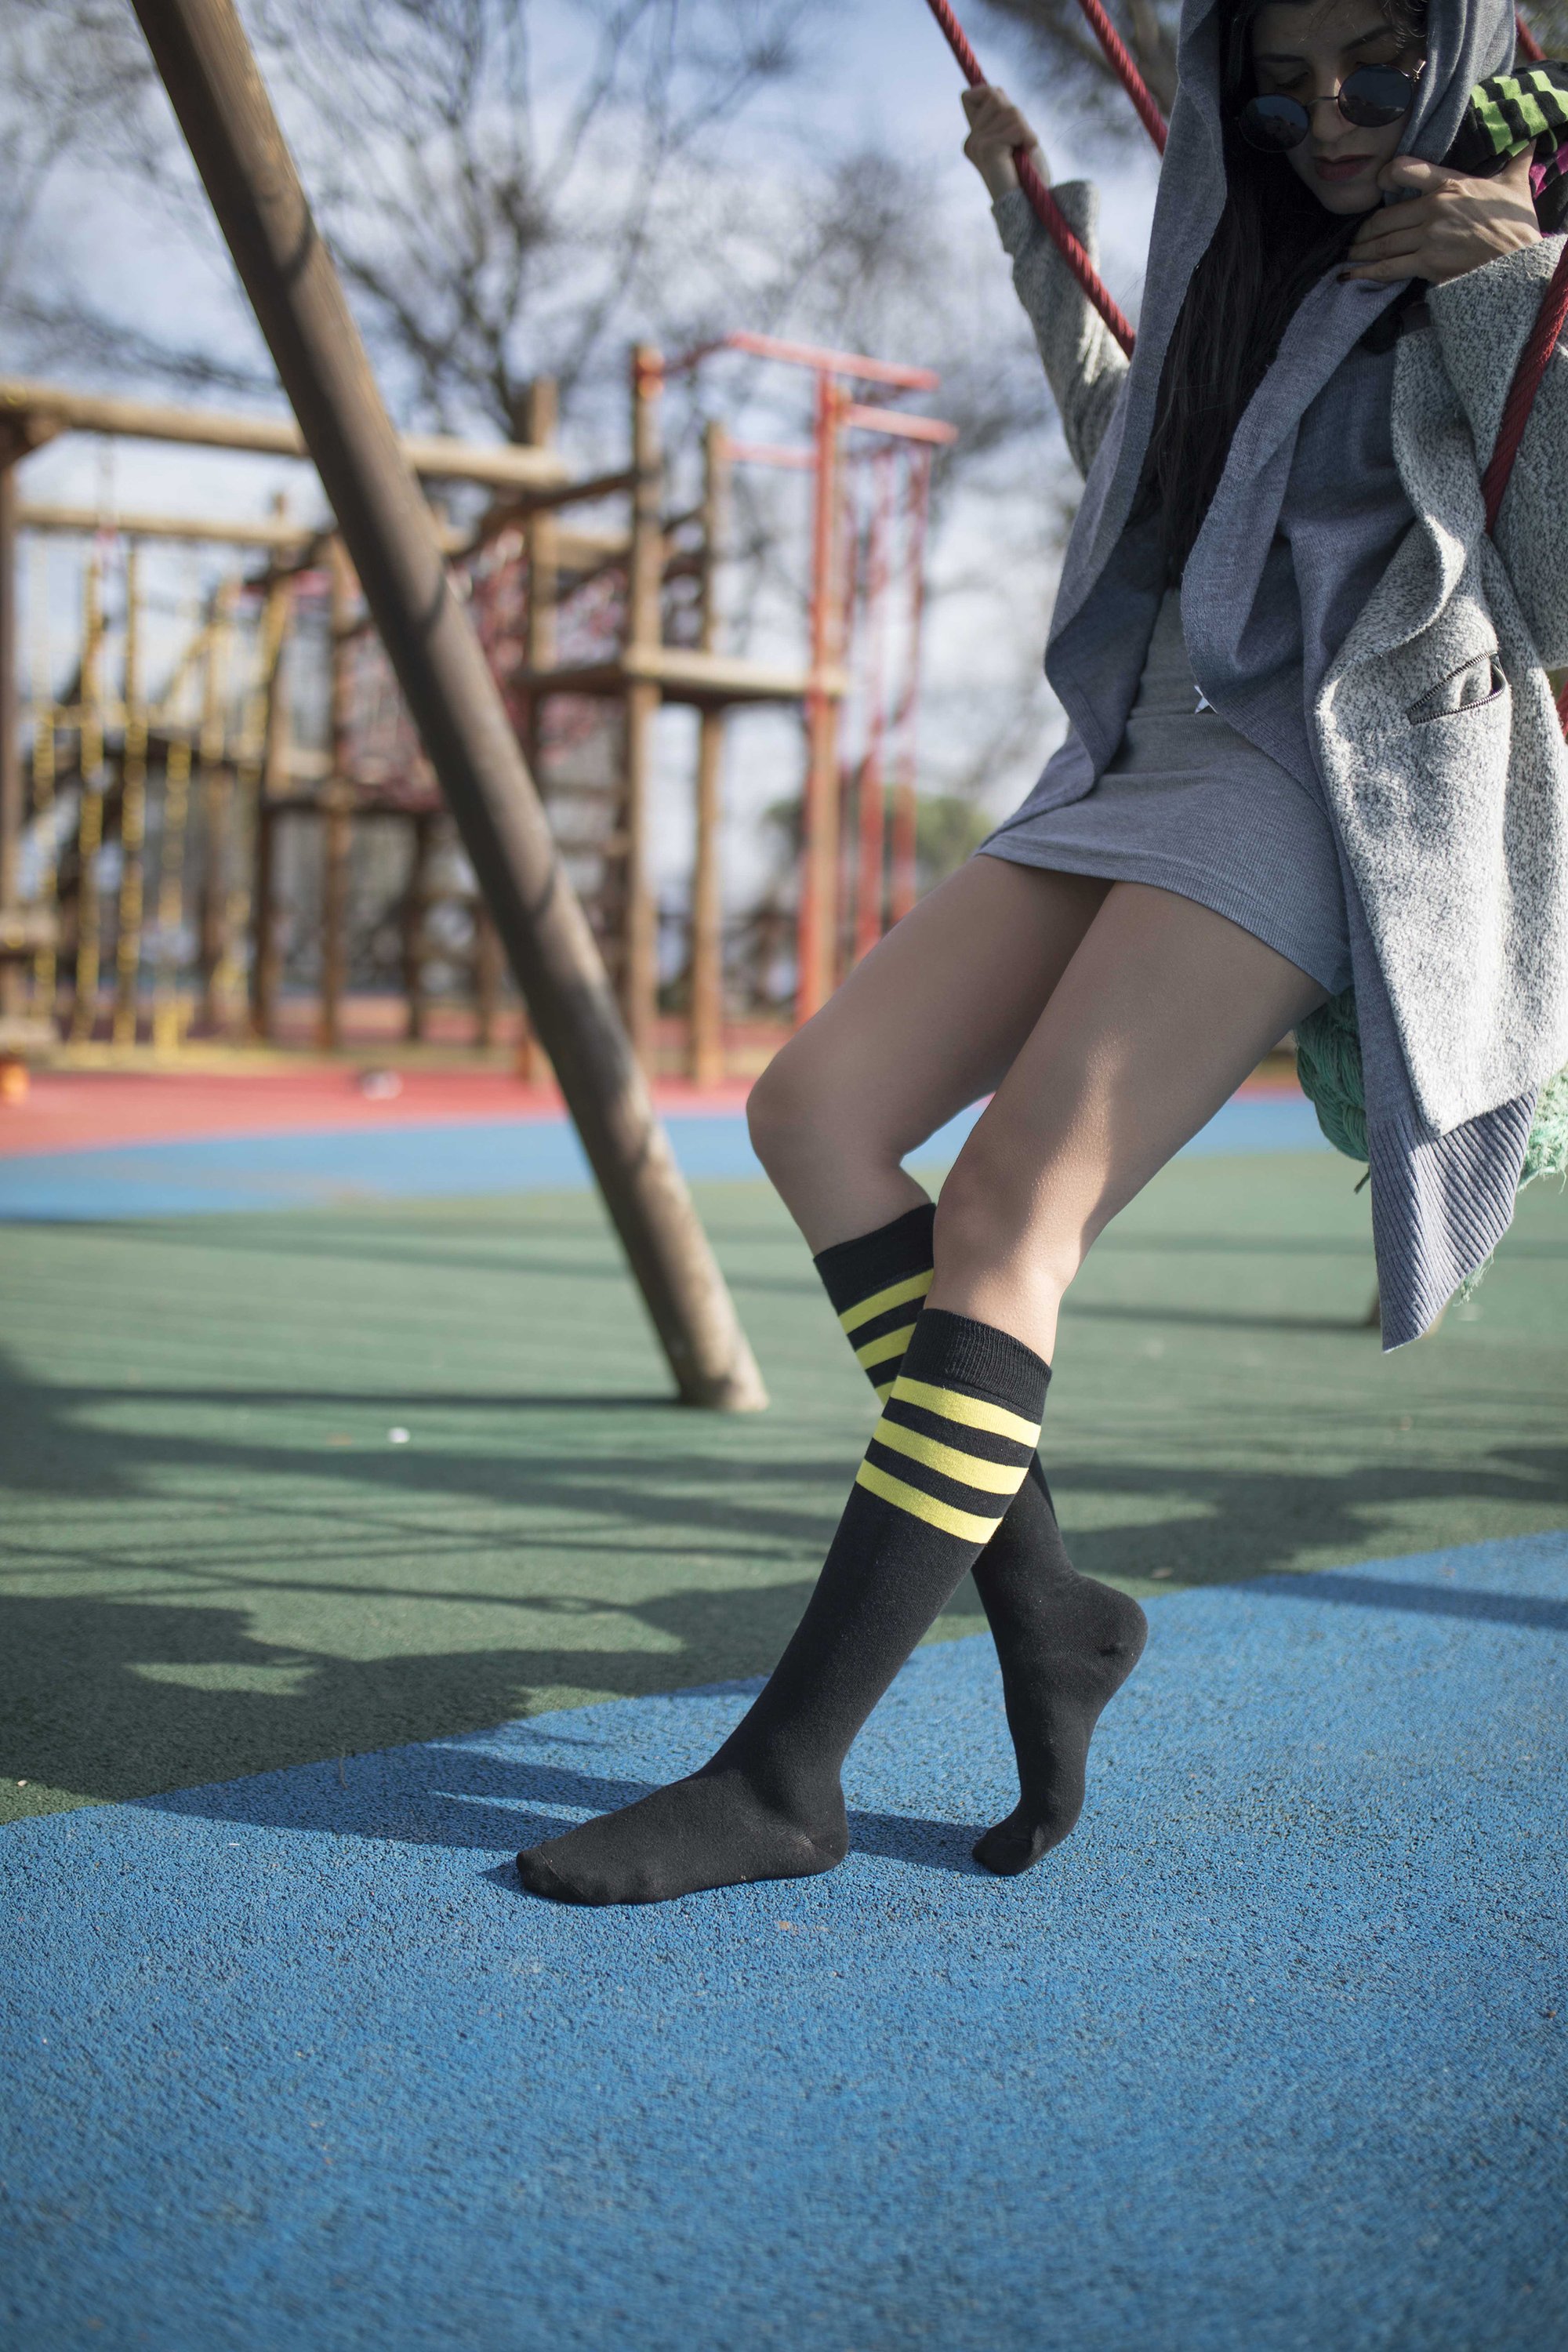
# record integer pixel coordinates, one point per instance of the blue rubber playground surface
(429, 1160)
(1269, 2057)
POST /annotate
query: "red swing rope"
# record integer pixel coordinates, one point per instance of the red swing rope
(1047, 210)
(1534, 362)
(1120, 58)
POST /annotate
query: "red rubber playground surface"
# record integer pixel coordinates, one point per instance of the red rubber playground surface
(86, 1110)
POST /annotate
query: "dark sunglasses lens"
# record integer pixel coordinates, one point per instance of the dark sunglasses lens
(1375, 95)
(1274, 123)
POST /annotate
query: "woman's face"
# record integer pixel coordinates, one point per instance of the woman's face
(1304, 49)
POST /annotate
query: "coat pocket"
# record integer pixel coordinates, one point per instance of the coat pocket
(1476, 682)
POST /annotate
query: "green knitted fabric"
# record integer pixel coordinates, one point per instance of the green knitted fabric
(1328, 1063)
(1546, 1153)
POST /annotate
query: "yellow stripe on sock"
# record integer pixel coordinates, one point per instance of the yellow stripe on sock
(898, 1293)
(990, 1477)
(964, 1523)
(891, 1343)
(973, 1413)
(883, 1393)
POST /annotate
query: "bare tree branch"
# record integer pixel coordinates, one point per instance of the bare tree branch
(1055, 37)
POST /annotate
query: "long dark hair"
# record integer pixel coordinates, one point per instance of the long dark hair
(1274, 241)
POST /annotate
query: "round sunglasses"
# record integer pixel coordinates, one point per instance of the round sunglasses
(1371, 97)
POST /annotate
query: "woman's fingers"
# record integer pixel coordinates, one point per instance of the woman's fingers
(997, 128)
(994, 117)
(1457, 224)
(1400, 235)
(1410, 171)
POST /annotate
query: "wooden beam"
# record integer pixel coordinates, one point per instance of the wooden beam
(506, 465)
(285, 537)
(685, 674)
(201, 52)
(564, 492)
(21, 1032)
(28, 930)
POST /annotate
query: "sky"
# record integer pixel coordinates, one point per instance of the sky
(881, 71)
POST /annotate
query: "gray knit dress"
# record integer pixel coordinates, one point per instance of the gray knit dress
(1189, 805)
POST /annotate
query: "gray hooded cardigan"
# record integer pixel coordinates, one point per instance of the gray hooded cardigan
(1450, 812)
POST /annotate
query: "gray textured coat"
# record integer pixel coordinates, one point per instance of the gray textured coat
(1435, 737)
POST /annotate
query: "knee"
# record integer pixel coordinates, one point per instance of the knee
(785, 1112)
(996, 1221)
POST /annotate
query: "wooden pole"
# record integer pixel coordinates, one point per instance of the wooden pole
(11, 811)
(212, 897)
(707, 1041)
(421, 833)
(542, 536)
(273, 783)
(486, 975)
(201, 52)
(90, 819)
(337, 818)
(132, 815)
(181, 730)
(168, 1020)
(644, 587)
(264, 955)
(43, 763)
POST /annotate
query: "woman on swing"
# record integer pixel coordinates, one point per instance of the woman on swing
(1311, 745)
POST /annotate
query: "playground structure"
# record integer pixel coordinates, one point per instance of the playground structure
(185, 857)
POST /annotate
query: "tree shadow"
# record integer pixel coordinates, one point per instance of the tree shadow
(109, 1697)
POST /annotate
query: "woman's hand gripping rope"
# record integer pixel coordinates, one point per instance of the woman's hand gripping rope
(995, 128)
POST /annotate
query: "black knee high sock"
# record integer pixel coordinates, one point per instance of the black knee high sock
(1065, 1642)
(952, 1446)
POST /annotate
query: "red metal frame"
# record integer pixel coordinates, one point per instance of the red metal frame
(870, 806)
(830, 622)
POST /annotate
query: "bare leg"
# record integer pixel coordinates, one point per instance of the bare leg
(1161, 1013)
(1113, 1022)
(1156, 1016)
(929, 1023)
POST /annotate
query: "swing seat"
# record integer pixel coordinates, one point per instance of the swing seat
(1328, 1064)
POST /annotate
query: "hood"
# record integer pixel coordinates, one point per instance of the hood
(1466, 41)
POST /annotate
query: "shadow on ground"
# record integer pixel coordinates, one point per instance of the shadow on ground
(215, 1563)
(104, 1698)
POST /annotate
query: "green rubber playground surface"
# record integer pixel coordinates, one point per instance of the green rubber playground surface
(217, 1559)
